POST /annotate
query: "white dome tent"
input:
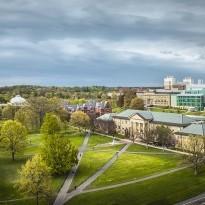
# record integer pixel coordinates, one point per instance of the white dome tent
(18, 101)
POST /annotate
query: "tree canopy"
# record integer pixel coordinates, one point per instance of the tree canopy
(51, 124)
(59, 154)
(137, 103)
(35, 178)
(13, 136)
(80, 119)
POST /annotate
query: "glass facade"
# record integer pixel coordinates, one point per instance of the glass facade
(196, 101)
(192, 98)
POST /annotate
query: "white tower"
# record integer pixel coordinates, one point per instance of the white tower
(169, 81)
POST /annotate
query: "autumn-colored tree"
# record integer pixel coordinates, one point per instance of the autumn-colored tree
(80, 119)
(195, 146)
(13, 137)
(137, 103)
(35, 178)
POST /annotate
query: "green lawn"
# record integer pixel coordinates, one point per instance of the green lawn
(96, 139)
(165, 190)
(141, 148)
(133, 166)
(90, 163)
(8, 168)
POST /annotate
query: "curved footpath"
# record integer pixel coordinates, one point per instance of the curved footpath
(64, 189)
(198, 200)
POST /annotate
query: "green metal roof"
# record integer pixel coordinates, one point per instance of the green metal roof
(106, 117)
(163, 117)
(194, 129)
(171, 118)
(129, 113)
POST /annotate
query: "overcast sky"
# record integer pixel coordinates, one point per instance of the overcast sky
(100, 42)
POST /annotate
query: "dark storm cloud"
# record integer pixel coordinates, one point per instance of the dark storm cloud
(111, 42)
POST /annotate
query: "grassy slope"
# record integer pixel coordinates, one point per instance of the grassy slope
(134, 166)
(90, 163)
(93, 160)
(165, 190)
(8, 169)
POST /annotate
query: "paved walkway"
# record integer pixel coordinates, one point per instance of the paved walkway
(80, 189)
(144, 144)
(64, 189)
(151, 153)
(136, 180)
(198, 200)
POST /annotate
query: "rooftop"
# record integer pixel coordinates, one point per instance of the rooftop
(169, 118)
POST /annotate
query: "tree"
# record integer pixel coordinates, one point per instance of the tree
(137, 103)
(51, 124)
(35, 178)
(148, 135)
(195, 146)
(120, 101)
(13, 135)
(63, 114)
(59, 154)
(8, 112)
(128, 96)
(27, 117)
(164, 136)
(41, 106)
(80, 119)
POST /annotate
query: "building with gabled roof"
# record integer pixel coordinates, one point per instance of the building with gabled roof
(133, 123)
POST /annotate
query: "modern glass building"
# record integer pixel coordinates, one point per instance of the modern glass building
(192, 98)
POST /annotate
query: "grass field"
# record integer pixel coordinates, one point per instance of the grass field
(96, 139)
(141, 148)
(8, 168)
(165, 190)
(90, 163)
(133, 166)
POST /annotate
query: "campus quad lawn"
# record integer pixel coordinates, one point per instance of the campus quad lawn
(91, 162)
(134, 166)
(96, 139)
(8, 168)
(165, 190)
(142, 148)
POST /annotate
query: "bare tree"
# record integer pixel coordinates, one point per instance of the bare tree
(195, 146)
(148, 136)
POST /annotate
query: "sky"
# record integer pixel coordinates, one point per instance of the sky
(100, 42)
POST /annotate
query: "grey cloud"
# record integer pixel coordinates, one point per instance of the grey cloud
(53, 39)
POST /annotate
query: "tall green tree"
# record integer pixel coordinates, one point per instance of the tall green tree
(80, 119)
(27, 117)
(59, 154)
(128, 96)
(137, 103)
(14, 137)
(35, 178)
(51, 124)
